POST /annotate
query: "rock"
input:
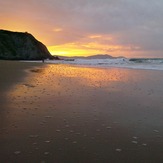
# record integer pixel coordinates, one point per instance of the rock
(21, 46)
(46, 153)
(118, 150)
(17, 152)
(134, 142)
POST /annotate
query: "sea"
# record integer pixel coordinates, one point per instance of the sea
(132, 63)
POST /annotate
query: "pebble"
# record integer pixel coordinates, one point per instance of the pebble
(118, 150)
(78, 133)
(156, 131)
(33, 136)
(17, 152)
(135, 142)
(46, 153)
(135, 137)
(47, 141)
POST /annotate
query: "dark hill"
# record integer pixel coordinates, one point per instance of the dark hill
(21, 46)
(100, 56)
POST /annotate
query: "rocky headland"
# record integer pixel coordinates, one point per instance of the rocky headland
(21, 46)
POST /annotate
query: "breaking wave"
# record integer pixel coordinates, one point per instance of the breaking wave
(134, 63)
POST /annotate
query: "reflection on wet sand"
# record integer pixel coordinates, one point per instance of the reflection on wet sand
(75, 114)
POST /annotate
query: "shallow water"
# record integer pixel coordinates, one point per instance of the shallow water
(69, 114)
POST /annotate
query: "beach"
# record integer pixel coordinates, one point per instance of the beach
(71, 114)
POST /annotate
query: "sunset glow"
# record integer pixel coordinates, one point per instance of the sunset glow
(72, 50)
(87, 49)
(82, 28)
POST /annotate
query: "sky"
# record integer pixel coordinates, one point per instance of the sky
(130, 28)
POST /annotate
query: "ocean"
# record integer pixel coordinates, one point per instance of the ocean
(134, 63)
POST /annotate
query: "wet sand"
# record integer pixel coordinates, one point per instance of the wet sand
(66, 114)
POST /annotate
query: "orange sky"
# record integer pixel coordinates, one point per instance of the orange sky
(85, 27)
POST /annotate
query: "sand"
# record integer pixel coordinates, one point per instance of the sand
(65, 114)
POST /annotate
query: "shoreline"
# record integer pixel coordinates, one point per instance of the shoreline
(111, 67)
(134, 66)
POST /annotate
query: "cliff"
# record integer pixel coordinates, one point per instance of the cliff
(21, 46)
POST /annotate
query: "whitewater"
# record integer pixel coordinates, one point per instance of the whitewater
(148, 64)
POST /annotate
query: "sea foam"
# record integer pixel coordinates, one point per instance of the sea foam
(149, 64)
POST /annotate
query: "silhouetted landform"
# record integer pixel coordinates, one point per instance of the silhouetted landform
(98, 56)
(21, 46)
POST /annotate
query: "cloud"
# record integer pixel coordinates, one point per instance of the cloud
(134, 25)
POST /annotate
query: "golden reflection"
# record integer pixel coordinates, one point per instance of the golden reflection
(54, 82)
(59, 77)
(92, 77)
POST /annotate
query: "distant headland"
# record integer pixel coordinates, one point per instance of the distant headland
(22, 46)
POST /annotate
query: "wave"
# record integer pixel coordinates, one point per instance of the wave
(147, 60)
(133, 63)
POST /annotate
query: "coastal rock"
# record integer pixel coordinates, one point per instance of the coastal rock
(21, 46)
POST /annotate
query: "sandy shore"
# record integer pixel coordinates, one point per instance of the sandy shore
(65, 114)
(13, 72)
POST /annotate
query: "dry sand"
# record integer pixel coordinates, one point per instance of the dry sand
(67, 114)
